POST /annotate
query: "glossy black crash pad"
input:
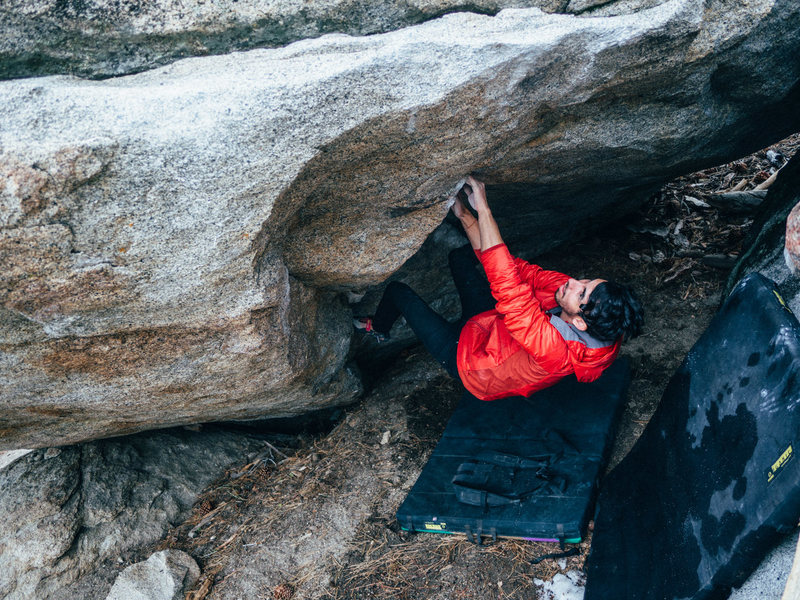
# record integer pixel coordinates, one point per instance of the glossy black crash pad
(569, 425)
(713, 481)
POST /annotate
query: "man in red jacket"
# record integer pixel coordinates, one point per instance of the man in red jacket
(525, 328)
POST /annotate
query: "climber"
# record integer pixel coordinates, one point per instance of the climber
(523, 329)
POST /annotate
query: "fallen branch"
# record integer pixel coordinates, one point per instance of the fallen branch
(768, 182)
(738, 186)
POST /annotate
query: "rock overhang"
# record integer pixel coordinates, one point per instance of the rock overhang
(219, 203)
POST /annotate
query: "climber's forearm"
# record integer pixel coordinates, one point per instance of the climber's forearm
(472, 229)
(489, 231)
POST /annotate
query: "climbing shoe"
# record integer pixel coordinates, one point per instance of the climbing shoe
(365, 324)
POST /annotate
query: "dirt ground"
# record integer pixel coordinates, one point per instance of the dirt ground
(313, 517)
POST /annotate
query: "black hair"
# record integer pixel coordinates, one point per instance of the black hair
(613, 311)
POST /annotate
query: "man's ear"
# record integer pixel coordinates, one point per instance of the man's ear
(579, 323)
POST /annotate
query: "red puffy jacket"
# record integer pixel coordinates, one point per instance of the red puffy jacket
(518, 348)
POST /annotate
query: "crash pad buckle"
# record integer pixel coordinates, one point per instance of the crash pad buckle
(409, 525)
(476, 537)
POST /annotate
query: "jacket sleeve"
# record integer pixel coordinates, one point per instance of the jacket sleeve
(535, 276)
(523, 315)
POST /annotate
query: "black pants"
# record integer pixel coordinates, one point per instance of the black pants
(438, 335)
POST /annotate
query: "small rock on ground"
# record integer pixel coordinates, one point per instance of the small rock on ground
(166, 575)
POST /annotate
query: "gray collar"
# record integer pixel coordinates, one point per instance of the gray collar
(570, 333)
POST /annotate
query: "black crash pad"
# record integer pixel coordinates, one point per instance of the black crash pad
(542, 457)
(713, 482)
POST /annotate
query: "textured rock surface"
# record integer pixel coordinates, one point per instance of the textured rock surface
(764, 250)
(792, 242)
(166, 575)
(99, 38)
(173, 241)
(98, 501)
(8, 457)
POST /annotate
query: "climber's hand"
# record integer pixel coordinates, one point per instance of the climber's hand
(476, 194)
(458, 208)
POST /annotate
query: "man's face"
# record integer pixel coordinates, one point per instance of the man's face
(574, 293)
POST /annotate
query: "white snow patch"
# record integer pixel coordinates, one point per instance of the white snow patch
(562, 587)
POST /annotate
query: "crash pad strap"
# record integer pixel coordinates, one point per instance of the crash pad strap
(504, 459)
(471, 480)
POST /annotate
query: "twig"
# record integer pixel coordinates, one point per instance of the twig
(678, 271)
(205, 519)
(202, 591)
(229, 540)
(275, 450)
